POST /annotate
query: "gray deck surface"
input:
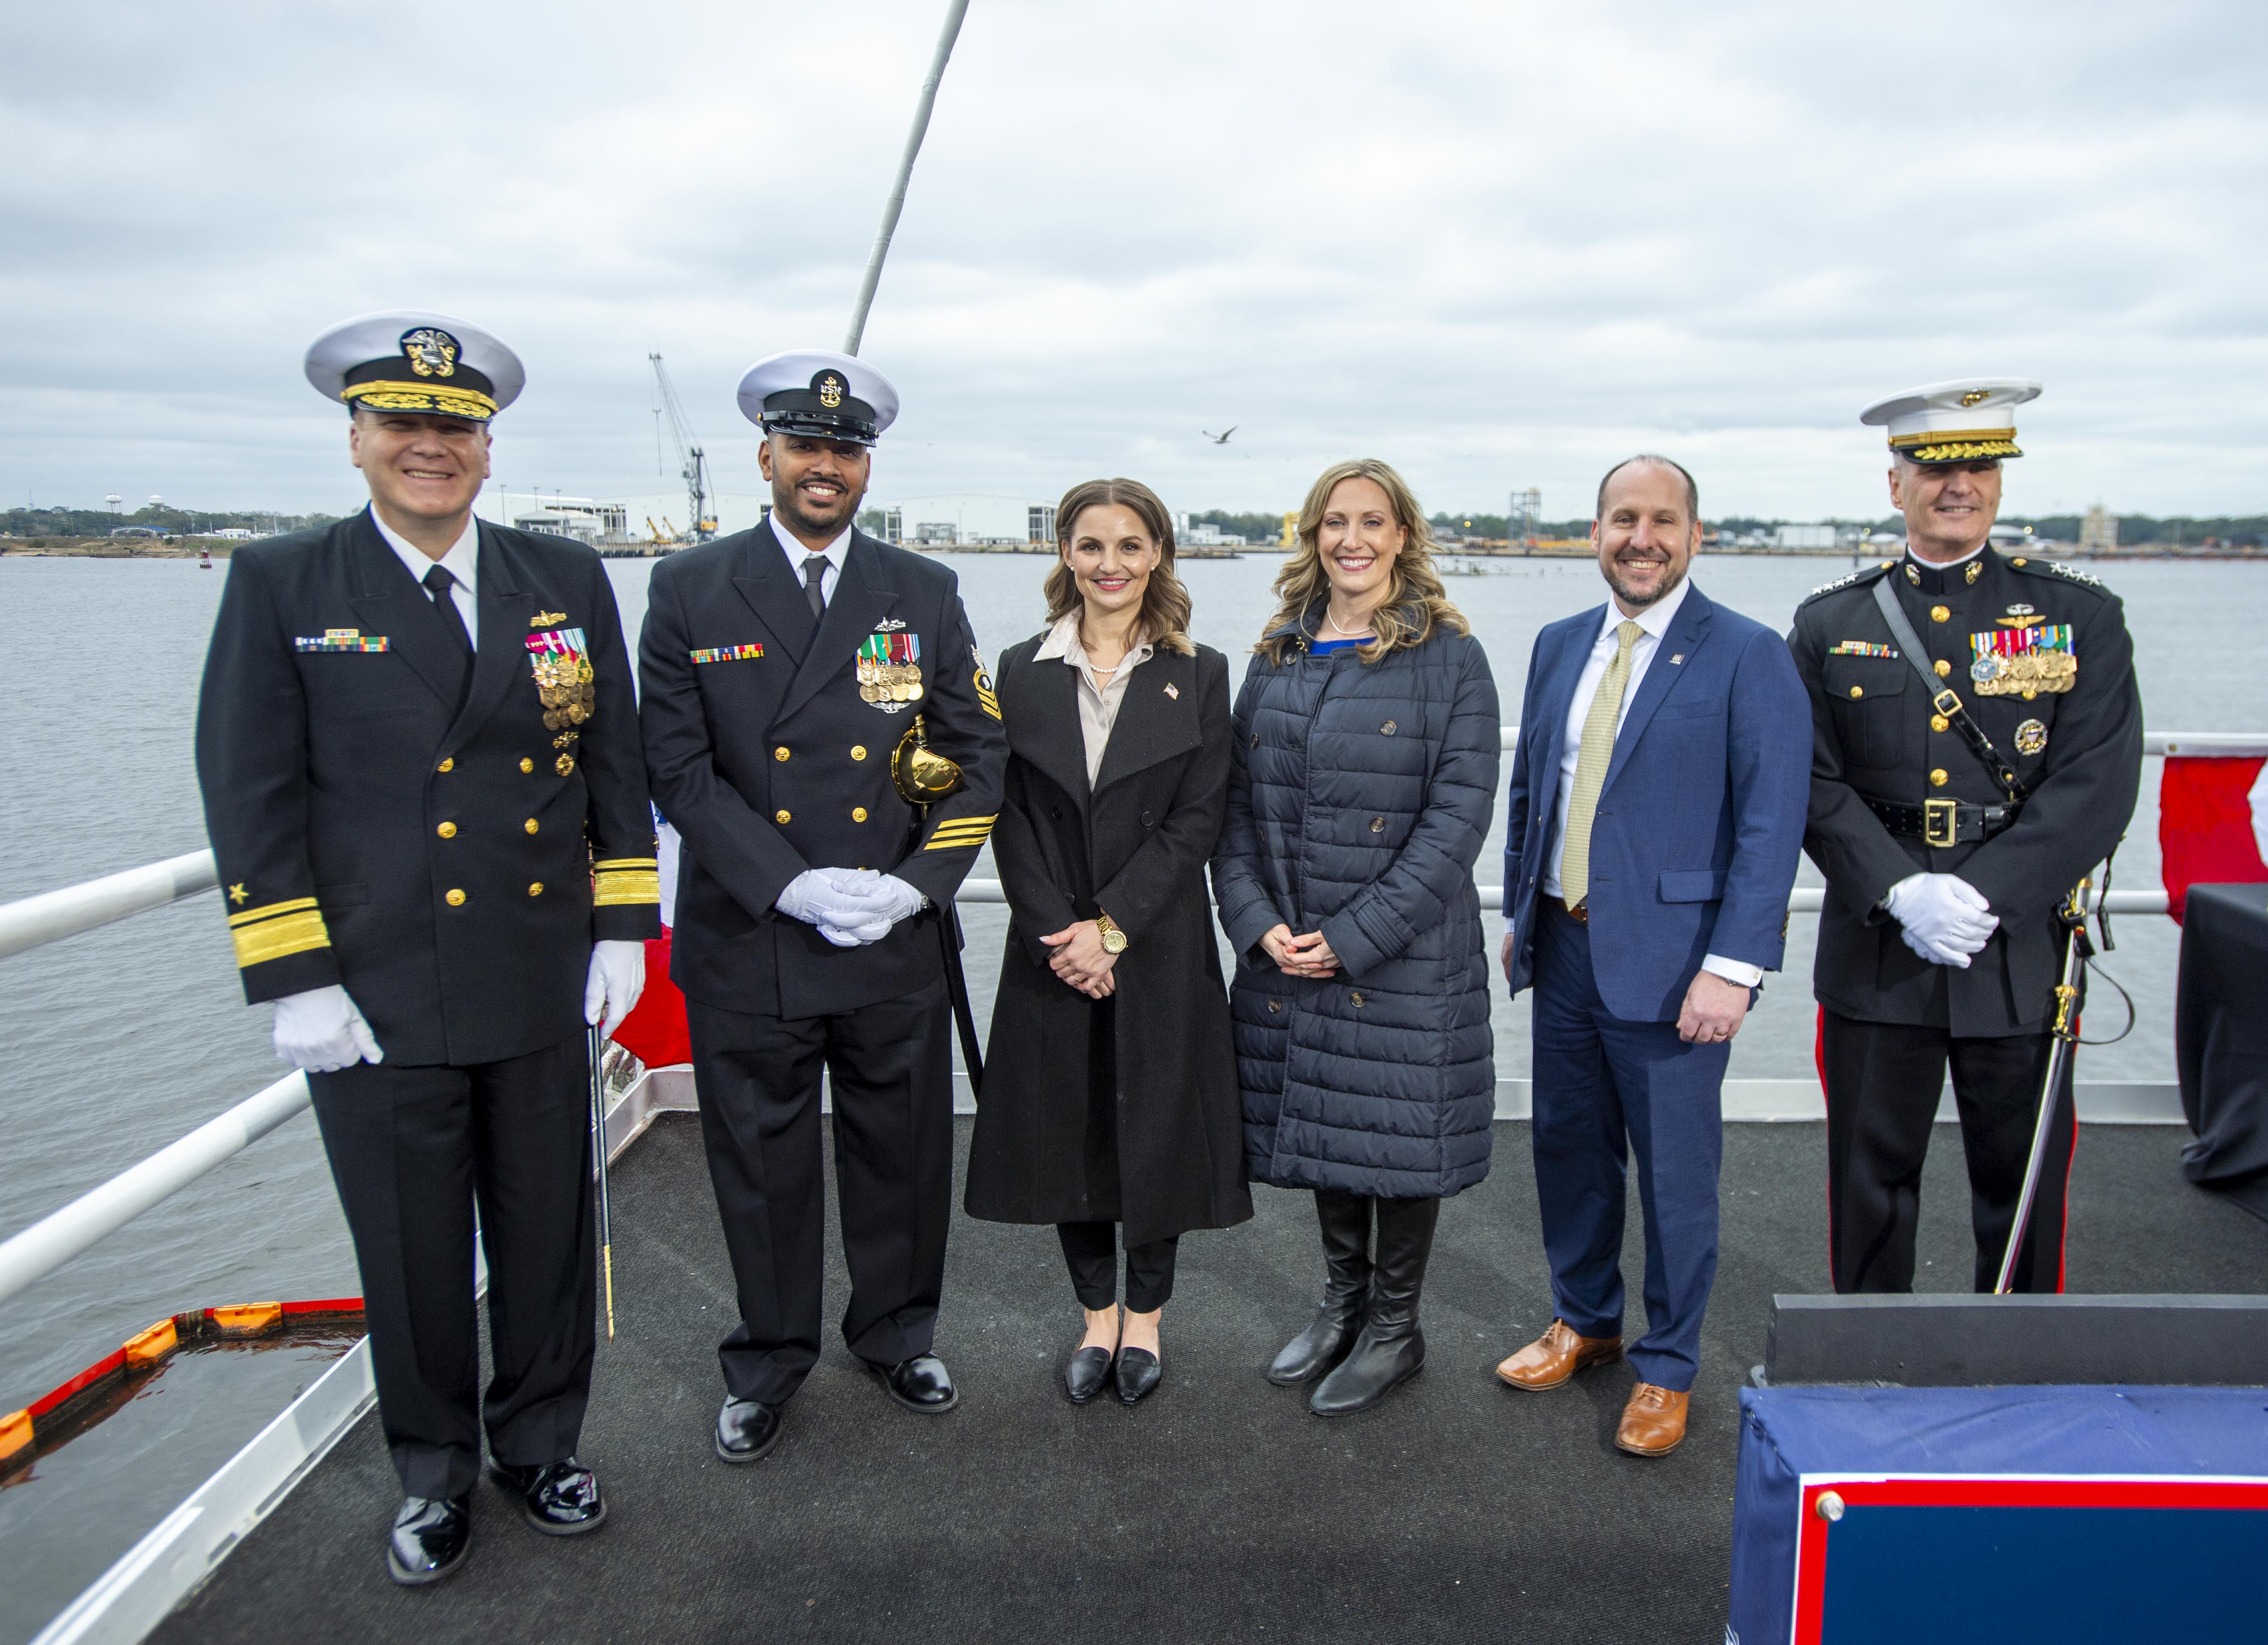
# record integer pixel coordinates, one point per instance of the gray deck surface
(1218, 1510)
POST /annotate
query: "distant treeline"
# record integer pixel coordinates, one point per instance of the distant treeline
(173, 522)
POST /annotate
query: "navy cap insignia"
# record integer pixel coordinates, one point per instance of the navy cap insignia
(430, 352)
(830, 390)
(2031, 736)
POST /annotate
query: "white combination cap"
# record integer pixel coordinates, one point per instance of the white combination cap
(816, 391)
(1957, 421)
(408, 360)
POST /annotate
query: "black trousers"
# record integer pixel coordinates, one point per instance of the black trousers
(412, 1150)
(1883, 1082)
(1091, 1252)
(890, 1069)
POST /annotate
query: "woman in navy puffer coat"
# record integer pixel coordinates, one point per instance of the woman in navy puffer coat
(1364, 779)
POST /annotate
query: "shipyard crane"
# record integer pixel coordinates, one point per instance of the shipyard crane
(692, 463)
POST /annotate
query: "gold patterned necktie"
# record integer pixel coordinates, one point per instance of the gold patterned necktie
(1596, 753)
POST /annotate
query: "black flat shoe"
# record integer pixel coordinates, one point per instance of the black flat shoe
(560, 1499)
(921, 1383)
(1087, 1373)
(1138, 1372)
(747, 1430)
(431, 1536)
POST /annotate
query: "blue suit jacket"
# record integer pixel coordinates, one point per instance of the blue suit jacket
(1701, 819)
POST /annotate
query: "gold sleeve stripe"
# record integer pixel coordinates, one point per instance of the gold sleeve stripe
(620, 886)
(962, 833)
(980, 823)
(275, 939)
(625, 862)
(270, 912)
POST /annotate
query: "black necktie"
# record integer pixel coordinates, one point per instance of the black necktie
(814, 574)
(438, 582)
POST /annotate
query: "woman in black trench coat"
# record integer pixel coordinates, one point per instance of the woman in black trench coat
(1110, 1093)
(1366, 749)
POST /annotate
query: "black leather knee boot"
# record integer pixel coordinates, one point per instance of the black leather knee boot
(1345, 1219)
(1391, 1349)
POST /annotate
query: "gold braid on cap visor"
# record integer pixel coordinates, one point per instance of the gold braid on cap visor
(1956, 445)
(430, 398)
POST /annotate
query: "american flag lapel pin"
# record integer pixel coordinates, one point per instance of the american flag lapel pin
(1677, 657)
(1174, 691)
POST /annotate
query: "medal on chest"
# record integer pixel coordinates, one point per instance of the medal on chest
(889, 670)
(2023, 662)
(561, 659)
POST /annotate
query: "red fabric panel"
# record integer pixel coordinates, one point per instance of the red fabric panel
(655, 1032)
(2204, 826)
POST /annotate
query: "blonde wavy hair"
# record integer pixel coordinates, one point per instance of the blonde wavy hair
(1165, 601)
(1415, 603)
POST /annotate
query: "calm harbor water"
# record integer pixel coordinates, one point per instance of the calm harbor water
(121, 1040)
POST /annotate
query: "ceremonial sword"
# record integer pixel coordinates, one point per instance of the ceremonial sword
(2076, 950)
(599, 1153)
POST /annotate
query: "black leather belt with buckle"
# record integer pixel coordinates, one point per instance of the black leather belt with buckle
(1940, 823)
(1581, 913)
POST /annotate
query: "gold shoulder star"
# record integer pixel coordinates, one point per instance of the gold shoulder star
(239, 896)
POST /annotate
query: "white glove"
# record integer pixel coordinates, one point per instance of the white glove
(616, 979)
(869, 905)
(1946, 918)
(815, 893)
(322, 1030)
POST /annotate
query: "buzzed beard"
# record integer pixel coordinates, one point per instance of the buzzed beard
(1639, 602)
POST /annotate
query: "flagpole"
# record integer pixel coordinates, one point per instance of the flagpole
(953, 13)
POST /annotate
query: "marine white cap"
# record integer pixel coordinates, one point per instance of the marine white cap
(408, 360)
(817, 392)
(1956, 422)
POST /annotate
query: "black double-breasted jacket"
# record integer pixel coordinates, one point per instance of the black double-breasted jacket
(769, 760)
(450, 865)
(1876, 734)
(1134, 844)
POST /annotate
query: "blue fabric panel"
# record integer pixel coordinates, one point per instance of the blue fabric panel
(2104, 1573)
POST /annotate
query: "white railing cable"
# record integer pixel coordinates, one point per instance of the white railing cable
(2226, 745)
(1804, 899)
(60, 1236)
(76, 907)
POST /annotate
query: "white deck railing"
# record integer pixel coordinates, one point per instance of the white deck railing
(38, 1251)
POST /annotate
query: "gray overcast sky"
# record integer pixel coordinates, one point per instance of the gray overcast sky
(1496, 243)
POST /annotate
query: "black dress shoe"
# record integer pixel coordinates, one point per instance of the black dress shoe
(1138, 1372)
(1086, 1375)
(431, 1535)
(560, 1499)
(921, 1383)
(747, 1430)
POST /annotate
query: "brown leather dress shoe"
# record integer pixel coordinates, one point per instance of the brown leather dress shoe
(1556, 1355)
(1654, 1421)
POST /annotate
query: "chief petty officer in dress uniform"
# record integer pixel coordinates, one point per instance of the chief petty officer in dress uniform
(419, 755)
(781, 668)
(1970, 763)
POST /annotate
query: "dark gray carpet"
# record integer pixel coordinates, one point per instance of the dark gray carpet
(1458, 1510)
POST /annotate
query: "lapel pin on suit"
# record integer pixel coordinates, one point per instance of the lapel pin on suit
(1677, 657)
(1174, 691)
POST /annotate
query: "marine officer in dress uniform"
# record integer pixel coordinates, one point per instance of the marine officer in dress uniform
(785, 671)
(419, 755)
(1978, 746)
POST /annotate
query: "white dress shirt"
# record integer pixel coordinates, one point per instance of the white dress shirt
(797, 554)
(1653, 622)
(1099, 700)
(461, 562)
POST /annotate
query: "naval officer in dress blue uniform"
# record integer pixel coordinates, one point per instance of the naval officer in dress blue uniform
(784, 672)
(1976, 748)
(418, 750)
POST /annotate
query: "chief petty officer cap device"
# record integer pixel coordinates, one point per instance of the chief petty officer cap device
(1962, 421)
(823, 394)
(411, 361)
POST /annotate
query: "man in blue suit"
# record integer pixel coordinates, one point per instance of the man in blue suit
(1658, 800)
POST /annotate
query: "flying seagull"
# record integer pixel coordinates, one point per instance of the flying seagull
(1221, 439)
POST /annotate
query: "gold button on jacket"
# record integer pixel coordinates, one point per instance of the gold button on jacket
(526, 765)
(1937, 778)
(1940, 614)
(779, 753)
(447, 831)
(530, 825)
(447, 765)
(857, 814)
(779, 816)
(455, 899)
(536, 890)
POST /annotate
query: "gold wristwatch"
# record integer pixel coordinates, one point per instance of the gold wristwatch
(1114, 941)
